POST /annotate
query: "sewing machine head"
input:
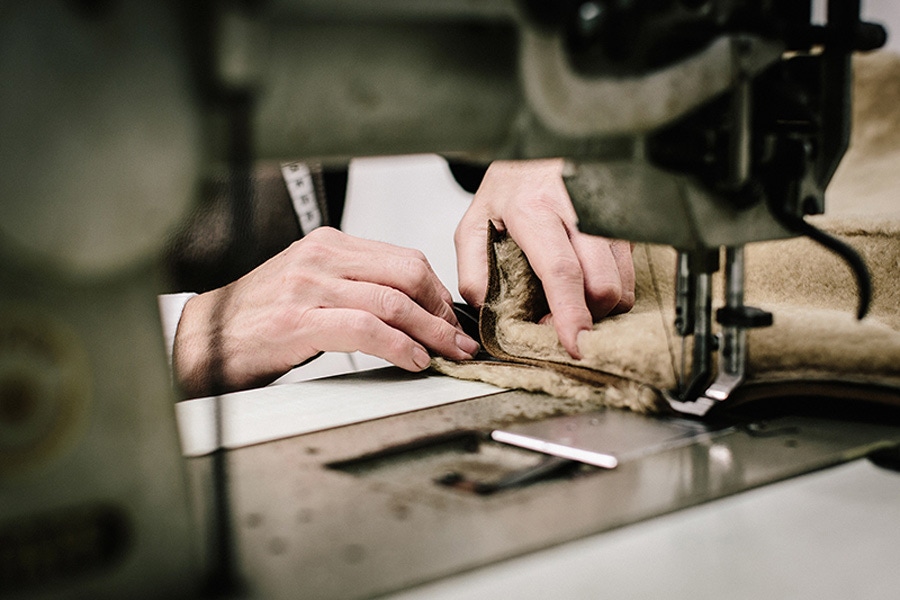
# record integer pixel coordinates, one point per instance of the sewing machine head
(730, 119)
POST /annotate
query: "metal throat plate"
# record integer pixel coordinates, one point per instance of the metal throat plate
(606, 438)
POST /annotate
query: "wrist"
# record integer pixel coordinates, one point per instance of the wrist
(199, 356)
(207, 358)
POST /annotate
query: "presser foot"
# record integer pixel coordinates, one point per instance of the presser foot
(699, 405)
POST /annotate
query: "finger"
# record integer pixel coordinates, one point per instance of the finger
(470, 240)
(400, 312)
(605, 282)
(410, 261)
(358, 259)
(350, 330)
(603, 286)
(623, 253)
(545, 241)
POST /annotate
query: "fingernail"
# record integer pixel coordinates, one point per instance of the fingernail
(467, 344)
(578, 337)
(421, 358)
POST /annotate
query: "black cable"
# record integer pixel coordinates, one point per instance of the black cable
(845, 251)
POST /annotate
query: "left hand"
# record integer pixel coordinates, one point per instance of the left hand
(327, 292)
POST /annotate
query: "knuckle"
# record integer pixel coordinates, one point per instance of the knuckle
(360, 322)
(542, 203)
(357, 326)
(397, 346)
(392, 304)
(418, 255)
(319, 244)
(392, 344)
(314, 250)
(566, 270)
(416, 266)
(323, 234)
(437, 334)
(417, 275)
(445, 334)
(603, 297)
(301, 280)
(626, 302)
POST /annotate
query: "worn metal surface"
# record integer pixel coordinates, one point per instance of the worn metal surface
(623, 199)
(576, 106)
(304, 529)
(623, 435)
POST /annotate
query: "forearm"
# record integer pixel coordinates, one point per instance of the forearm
(197, 355)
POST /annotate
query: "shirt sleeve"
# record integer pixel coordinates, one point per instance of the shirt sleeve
(170, 309)
(467, 174)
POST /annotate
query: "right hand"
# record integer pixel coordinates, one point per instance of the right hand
(585, 277)
(327, 292)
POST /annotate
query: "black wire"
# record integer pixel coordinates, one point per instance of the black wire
(848, 253)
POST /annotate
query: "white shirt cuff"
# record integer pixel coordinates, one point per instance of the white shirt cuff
(170, 308)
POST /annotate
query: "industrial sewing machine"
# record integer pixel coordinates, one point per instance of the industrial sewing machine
(698, 124)
(746, 130)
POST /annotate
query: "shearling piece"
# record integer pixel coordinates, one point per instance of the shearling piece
(627, 358)
(815, 346)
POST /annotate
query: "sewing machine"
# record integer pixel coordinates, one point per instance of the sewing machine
(663, 103)
(745, 132)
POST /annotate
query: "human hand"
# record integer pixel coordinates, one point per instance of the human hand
(327, 292)
(585, 277)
